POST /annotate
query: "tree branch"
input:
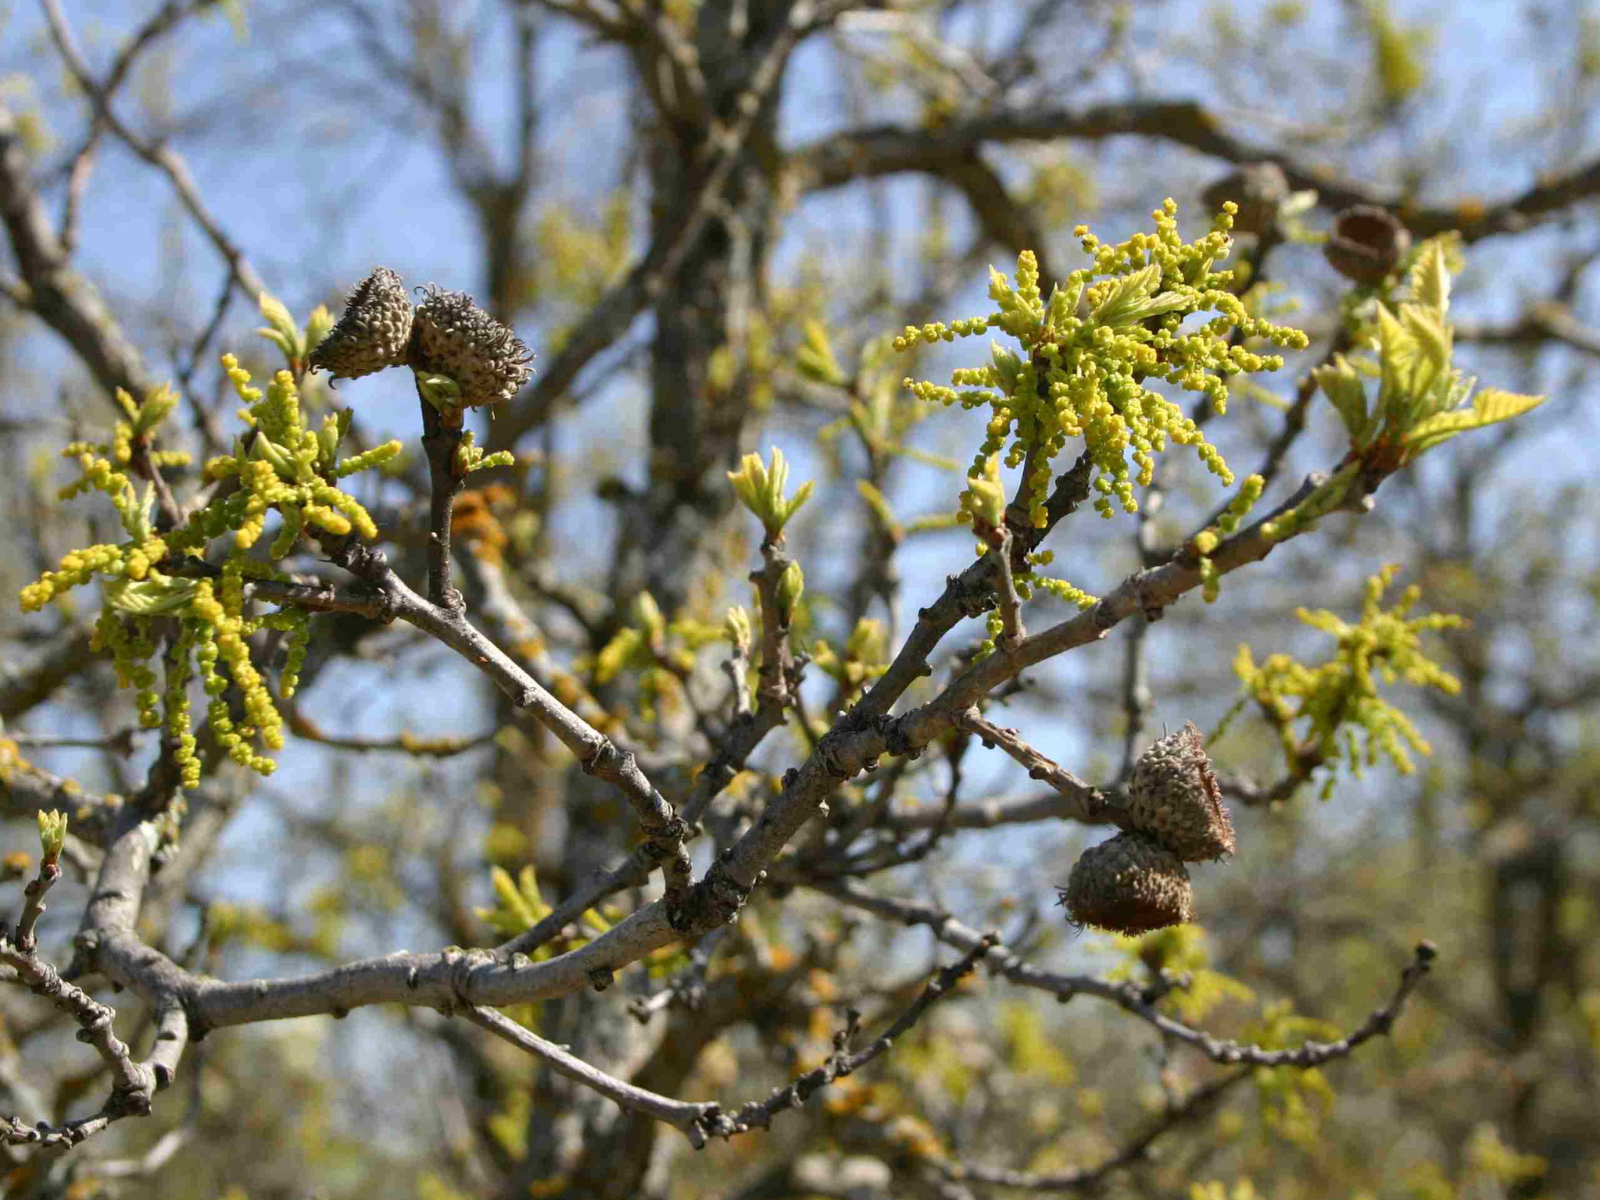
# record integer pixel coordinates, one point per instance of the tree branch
(1134, 999)
(680, 1114)
(133, 1084)
(758, 1114)
(1196, 1104)
(614, 312)
(157, 154)
(890, 149)
(1084, 801)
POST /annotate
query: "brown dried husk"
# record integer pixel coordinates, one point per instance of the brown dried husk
(455, 337)
(1129, 885)
(1367, 243)
(1174, 798)
(373, 332)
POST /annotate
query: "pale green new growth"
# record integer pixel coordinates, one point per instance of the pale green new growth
(815, 356)
(1340, 697)
(1209, 539)
(470, 457)
(791, 586)
(281, 467)
(736, 628)
(1421, 398)
(281, 330)
(985, 497)
(1088, 351)
(760, 489)
(52, 834)
(865, 658)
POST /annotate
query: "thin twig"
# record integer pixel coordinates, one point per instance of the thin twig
(1134, 999)
(758, 1114)
(678, 1113)
(1085, 801)
(133, 1083)
(441, 438)
(1012, 630)
(1134, 1151)
(158, 154)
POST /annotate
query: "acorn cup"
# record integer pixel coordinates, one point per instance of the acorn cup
(1257, 188)
(1128, 885)
(457, 339)
(1366, 244)
(1174, 798)
(374, 331)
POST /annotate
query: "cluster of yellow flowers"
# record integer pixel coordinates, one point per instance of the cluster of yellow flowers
(281, 467)
(1227, 524)
(1340, 697)
(1089, 350)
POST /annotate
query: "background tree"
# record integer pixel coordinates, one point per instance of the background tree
(710, 220)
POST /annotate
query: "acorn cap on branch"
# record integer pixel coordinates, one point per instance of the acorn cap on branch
(373, 332)
(1174, 798)
(456, 338)
(1258, 189)
(1129, 885)
(1366, 244)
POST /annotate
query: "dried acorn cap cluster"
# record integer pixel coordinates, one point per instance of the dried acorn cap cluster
(446, 335)
(1137, 882)
(1174, 798)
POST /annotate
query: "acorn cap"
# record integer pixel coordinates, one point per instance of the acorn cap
(455, 337)
(1174, 798)
(1366, 244)
(1129, 885)
(1257, 188)
(372, 334)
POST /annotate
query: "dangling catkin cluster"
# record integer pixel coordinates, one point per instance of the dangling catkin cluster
(447, 334)
(1137, 882)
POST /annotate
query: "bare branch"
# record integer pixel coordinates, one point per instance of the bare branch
(1550, 321)
(1134, 999)
(1196, 1104)
(1084, 802)
(157, 154)
(968, 594)
(758, 1114)
(62, 298)
(133, 1084)
(680, 1114)
(24, 687)
(441, 438)
(889, 149)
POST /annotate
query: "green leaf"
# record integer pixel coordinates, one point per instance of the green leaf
(1494, 405)
(815, 356)
(1430, 280)
(283, 330)
(1433, 337)
(1490, 407)
(1342, 385)
(52, 833)
(1122, 305)
(157, 407)
(1064, 302)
